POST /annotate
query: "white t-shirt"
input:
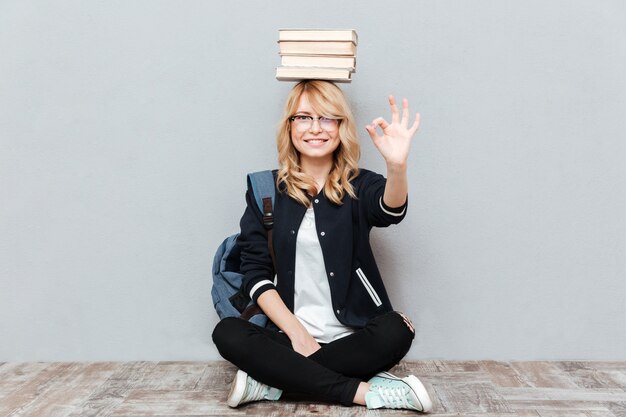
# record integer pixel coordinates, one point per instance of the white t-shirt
(312, 301)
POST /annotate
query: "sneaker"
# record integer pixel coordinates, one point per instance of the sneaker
(245, 389)
(390, 391)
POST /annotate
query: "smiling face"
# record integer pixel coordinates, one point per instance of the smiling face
(314, 150)
(316, 143)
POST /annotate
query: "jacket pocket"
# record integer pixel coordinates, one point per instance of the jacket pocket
(370, 290)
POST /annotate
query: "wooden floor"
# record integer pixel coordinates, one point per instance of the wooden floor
(169, 389)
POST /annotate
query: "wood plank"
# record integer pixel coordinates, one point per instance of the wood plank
(593, 375)
(468, 398)
(68, 392)
(542, 375)
(459, 366)
(502, 374)
(14, 375)
(617, 408)
(173, 375)
(416, 368)
(545, 404)
(456, 378)
(575, 413)
(528, 413)
(599, 365)
(141, 402)
(37, 387)
(107, 397)
(216, 373)
(560, 394)
(304, 409)
(605, 413)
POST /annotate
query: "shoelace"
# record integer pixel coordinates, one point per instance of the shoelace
(394, 397)
(255, 389)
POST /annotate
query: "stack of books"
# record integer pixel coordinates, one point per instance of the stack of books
(323, 54)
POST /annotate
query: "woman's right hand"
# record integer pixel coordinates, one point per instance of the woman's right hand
(301, 340)
(304, 343)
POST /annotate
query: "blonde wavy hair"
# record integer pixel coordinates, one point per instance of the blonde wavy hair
(329, 101)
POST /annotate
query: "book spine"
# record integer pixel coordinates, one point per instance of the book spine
(318, 61)
(317, 48)
(309, 72)
(317, 35)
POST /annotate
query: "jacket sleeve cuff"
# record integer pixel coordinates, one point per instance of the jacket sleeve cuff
(259, 288)
(393, 211)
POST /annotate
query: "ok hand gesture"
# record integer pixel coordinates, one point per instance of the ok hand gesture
(395, 142)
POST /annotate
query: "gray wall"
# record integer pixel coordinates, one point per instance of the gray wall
(126, 130)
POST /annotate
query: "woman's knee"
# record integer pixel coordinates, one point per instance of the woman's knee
(228, 334)
(397, 332)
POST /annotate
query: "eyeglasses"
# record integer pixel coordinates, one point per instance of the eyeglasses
(304, 122)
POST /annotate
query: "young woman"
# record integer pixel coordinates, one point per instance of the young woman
(335, 332)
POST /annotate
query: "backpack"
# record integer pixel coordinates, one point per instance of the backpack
(228, 299)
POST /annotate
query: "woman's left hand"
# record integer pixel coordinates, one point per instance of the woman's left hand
(395, 142)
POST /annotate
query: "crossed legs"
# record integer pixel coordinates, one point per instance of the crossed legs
(331, 374)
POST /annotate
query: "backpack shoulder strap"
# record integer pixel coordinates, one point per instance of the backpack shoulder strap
(263, 188)
(262, 185)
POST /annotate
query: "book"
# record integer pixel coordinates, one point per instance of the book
(318, 35)
(322, 54)
(328, 61)
(317, 48)
(301, 73)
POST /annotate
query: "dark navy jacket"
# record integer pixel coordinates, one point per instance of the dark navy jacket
(356, 287)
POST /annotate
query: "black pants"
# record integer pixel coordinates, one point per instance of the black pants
(331, 374)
